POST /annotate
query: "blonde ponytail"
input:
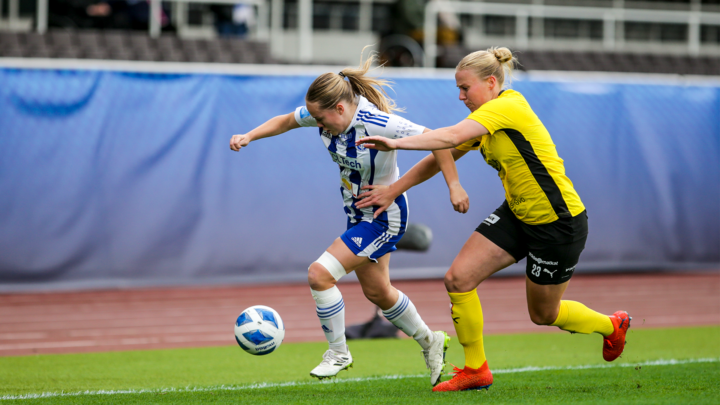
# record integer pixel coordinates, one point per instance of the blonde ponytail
(331, 88)
(495, 61)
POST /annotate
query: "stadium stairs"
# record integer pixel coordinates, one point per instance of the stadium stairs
(127, 45)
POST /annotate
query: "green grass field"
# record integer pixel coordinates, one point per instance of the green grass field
(659, 366)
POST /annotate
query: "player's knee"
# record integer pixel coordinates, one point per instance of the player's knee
(319, 277)
(325, 272)
(373, 296)
(542, 317)
(377, 296)
(455, 283)
(449, 281)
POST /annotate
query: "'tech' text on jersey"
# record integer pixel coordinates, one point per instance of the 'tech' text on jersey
(360, 166)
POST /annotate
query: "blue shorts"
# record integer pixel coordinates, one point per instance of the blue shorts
(374, 239)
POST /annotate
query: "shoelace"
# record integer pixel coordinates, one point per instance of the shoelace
(456, 371)
(330, 358)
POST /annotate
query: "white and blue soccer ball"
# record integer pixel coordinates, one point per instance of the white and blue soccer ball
(259, 330)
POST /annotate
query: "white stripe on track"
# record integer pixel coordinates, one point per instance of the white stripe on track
(670, 362)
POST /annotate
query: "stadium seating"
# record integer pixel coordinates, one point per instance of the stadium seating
(125, 45)
(600, 61)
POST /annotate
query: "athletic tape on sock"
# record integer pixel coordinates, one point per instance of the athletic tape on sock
(332, 265)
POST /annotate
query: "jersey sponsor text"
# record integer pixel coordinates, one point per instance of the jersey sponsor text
(345, 161)
(541, 261)
(361, 166)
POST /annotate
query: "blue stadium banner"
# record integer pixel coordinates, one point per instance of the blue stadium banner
(119, 175)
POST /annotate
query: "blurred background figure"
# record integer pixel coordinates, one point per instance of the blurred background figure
(110, 14)
(233, 20)
(401, 46)
(78, 14)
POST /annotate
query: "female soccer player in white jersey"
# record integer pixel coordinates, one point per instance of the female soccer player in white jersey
(348, 106)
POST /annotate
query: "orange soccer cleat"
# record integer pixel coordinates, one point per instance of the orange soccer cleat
(614, 344)
(467, 379)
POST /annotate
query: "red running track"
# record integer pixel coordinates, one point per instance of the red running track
(152, 318)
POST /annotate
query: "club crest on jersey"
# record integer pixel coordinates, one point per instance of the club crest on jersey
(360, 147)
(342, 139)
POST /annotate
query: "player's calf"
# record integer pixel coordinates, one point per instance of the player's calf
(404, 315)
(330, 306)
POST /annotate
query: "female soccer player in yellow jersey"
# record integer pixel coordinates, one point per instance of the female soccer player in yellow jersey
(542, 217)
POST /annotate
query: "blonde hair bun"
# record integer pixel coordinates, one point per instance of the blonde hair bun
(495, 61)
(503, 54)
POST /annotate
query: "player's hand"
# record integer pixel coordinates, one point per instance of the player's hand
(377, 142)
(379, 196)
(459, 198)
(238, 142)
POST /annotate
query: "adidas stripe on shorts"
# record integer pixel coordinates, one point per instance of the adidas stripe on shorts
(374, 239)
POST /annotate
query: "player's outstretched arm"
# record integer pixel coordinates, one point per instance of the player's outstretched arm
(446, 161)
(383, 196)
(442, 138)
(273, 126)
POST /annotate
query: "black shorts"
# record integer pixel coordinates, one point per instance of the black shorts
(552, 249)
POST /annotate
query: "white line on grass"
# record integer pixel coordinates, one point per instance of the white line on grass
(661, 362)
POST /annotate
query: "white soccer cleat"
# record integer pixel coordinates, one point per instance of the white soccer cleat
(333, 363)
(435, 356)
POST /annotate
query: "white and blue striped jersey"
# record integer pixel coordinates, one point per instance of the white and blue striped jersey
(360, 166)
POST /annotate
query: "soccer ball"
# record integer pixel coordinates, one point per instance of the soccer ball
(259, 330)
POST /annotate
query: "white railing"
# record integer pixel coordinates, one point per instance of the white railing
(523, 12)
(13, 21)
(271, 26)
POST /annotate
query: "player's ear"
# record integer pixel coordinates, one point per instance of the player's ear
(492, 81)
(340, 108)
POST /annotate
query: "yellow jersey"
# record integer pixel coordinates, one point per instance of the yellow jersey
(520, 148)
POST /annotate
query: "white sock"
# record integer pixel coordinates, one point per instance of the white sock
(404, 315)
(331, 312)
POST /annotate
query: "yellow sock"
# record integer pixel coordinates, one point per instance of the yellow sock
(576, 317)
(468, 320)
